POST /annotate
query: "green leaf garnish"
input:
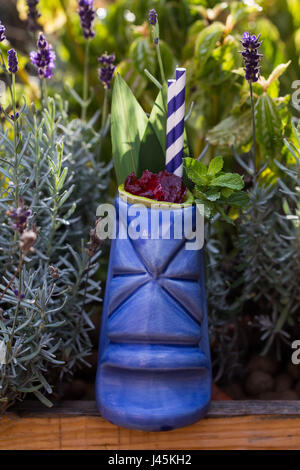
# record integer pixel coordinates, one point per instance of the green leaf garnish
(214, 188)
(215, 166)
(228, 180)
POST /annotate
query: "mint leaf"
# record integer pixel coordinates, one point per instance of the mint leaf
(228, 180)
(199, 194)
(226, 192)
(215, 166)
(196, 171)
(212, 194)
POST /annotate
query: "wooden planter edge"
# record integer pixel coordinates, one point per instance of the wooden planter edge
(217, 409)
(78, 425)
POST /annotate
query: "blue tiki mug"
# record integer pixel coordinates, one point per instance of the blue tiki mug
(154, 368)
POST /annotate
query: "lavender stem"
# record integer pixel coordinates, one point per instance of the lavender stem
(253, 127)
(44, 92)
(85, 81)
(15, 124)
(161, 67)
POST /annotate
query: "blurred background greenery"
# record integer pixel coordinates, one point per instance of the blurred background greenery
(200, 34)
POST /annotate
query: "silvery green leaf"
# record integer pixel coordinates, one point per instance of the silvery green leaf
(44, 314)
(74, 94)
(62, 179)
(2, 352)
(43, 399)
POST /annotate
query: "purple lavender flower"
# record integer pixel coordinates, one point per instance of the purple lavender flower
(15, 117)
(2, 32)
(106, 69)
(19, 217)
(152, 17)
(43, 58)
(33, 15)
(87, 17)
(107, 59)
(12, 61)
(18, 294)
(251, 56)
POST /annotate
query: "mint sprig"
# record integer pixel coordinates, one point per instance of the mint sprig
(214, 188)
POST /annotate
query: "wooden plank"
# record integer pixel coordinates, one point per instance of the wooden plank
(88, 433)
(260, 428)
(32, 433)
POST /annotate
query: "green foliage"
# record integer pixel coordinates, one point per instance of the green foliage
(206, 42)
(266, 255)
(128, 125)
(138, 142)
(210, 33)
(269, 124)
(142, 55)
(234, 130)
(214, 188)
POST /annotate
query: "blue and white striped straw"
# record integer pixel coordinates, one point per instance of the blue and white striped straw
(175, 123)
(170, 125)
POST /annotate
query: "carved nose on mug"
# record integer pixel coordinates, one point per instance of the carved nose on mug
(155, 275)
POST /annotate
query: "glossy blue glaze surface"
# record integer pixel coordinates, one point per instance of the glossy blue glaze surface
(154, 369)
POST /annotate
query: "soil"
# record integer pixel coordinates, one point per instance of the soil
(266, 379)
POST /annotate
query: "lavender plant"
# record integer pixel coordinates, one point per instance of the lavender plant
(87, 16)
(43, 58)
(273, 280)
(13, 64)
(269, 263)
(51, 182)
(153, 21)
(106, 73)
(154, 25)
(33, 15)
(251, 57)
(264, 238)
(253, 281)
